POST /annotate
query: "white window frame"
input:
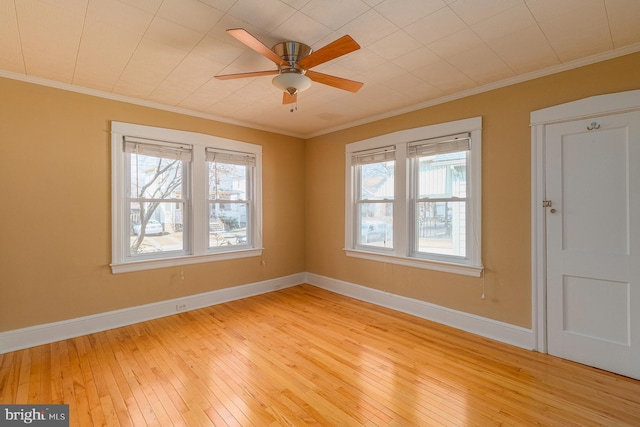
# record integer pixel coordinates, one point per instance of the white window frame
(402, 224)
(197, 228)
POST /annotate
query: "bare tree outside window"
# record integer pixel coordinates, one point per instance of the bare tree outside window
(156, 199)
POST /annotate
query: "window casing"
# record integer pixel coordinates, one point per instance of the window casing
(181, 198)
(413, 197)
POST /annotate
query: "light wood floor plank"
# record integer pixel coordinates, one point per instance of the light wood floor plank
(76, 384)
(23, 377)
(303, 356)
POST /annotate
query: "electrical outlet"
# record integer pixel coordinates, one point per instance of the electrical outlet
(181, 307)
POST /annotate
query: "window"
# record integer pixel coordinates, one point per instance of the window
(182, 197)
(413, 197)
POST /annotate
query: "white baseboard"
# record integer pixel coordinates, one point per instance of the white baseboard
(43, 334)
(489, 328)
(19, 339)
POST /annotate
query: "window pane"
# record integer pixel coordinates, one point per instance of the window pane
(156, 227)
(155, 177)
(441, 228)
(229, 204)
(377, 181)
(227, 224)
(156, 205)
(375, 224)
(227, 181)
(443, 175)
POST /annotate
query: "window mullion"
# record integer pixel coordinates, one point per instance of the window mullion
(152, 200)
(198, 205)
(413, 200)
(244, 201)
(401, 203)
(442, 199)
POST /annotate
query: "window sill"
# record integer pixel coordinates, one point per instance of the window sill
(467, 270)
(126, 267)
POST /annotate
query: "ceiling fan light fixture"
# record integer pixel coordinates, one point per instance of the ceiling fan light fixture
(292, 81)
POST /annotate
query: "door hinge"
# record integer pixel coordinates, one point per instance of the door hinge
(546, 203)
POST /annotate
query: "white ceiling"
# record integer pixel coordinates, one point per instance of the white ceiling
(414, 52)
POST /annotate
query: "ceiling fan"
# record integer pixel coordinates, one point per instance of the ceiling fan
(294, 60)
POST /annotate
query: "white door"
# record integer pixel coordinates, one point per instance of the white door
(593, 241)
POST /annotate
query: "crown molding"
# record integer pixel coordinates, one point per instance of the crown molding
(600, 57)
(604, 56)
(143, 103)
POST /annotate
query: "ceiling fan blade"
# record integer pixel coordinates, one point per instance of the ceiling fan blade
(342, 46)
(339, 82)
(245, 37)
(243, 75)
(287, 98)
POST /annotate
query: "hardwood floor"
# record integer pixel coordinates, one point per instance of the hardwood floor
(305, 356)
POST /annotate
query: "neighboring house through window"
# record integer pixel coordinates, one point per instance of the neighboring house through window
(182, 197)
(413, 197)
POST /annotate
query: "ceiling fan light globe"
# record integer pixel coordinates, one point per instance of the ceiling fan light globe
(286, 81)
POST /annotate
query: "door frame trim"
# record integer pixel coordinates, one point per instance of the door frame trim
(591, 107)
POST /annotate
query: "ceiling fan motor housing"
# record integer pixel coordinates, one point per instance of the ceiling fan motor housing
(291, 52)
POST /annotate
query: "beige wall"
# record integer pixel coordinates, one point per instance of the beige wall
(55, 218)
(506, 194)
(55, 190)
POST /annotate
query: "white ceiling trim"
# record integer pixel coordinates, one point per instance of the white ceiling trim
(485, 88)
(491, 86)
(135, 101)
